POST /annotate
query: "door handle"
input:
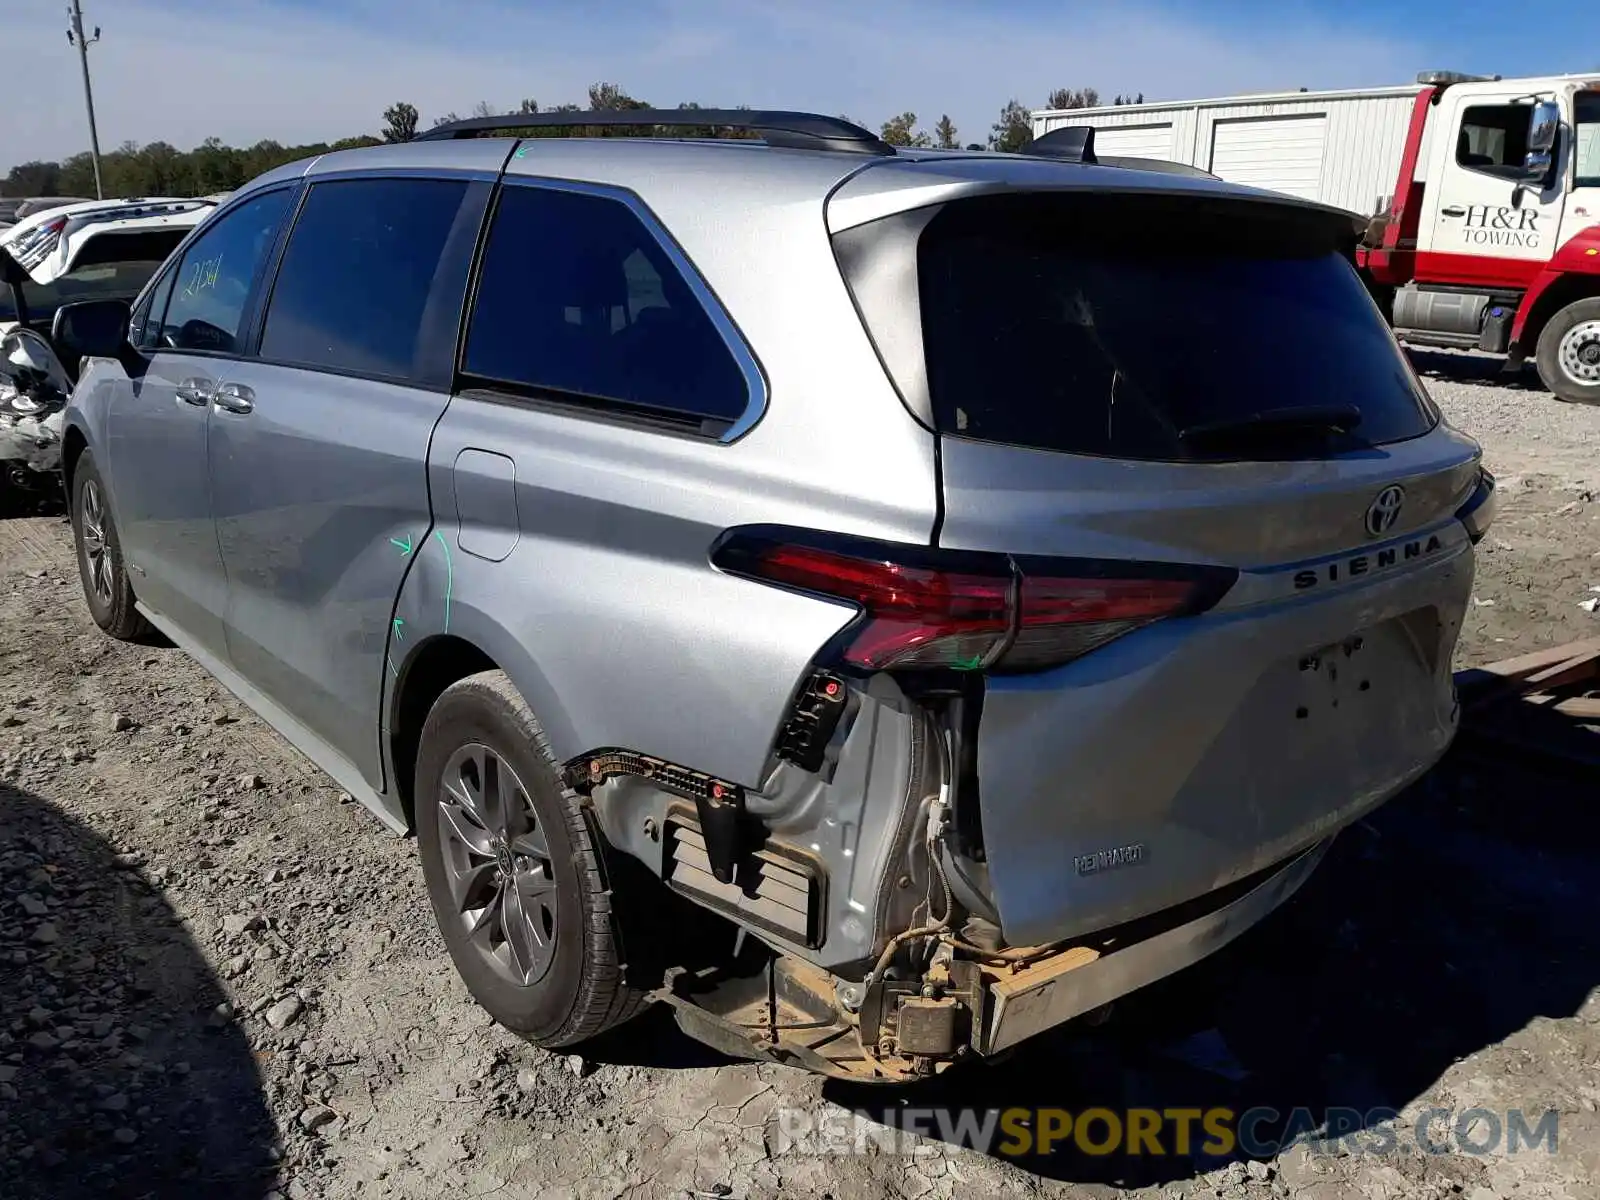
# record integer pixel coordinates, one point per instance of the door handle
(1455, 210)
(197, 391)
(234, 398)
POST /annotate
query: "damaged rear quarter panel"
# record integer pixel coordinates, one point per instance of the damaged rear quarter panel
(574, 547)
(606, 612)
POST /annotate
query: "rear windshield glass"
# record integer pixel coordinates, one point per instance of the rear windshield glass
(1144, 327)
(105, 281)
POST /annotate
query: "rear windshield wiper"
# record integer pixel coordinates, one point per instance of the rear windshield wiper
(1312, 418)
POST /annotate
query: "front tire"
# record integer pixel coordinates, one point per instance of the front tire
(516, 871)
(101, 568)
(1569, 352)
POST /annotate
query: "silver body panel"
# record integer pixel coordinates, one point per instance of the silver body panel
(163, 498)
(1251, 515)
(1187, 741)
(312, 570)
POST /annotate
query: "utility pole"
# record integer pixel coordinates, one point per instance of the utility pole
(75, 37)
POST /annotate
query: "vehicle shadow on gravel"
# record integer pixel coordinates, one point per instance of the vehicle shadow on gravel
(1439, 926)
(653, 1040)
(1459, 367)
(19, 502)
(117, 1077)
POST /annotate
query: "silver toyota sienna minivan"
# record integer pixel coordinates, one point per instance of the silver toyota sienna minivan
(882, 603)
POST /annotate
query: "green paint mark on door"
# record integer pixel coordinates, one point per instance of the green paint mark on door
(449, 578)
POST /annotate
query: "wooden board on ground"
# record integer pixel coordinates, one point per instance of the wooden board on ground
(1545, 704)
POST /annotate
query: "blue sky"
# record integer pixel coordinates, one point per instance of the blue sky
(303, 70)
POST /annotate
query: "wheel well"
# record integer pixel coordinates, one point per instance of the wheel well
(436, 665)
(72, 448)
(1558, 295)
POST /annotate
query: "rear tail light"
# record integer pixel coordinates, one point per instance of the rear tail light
(1478, 513)
(1063, 617)
(923, 608)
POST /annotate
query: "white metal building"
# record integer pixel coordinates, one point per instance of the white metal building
(1339, 147)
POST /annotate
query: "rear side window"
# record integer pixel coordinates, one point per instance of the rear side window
(358, 272)
(578, 300)
(1130, 326)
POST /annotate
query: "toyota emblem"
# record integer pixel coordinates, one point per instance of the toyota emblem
(1384, 510)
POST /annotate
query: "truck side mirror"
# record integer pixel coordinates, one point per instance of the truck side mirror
(1544, 126)
(90, 329)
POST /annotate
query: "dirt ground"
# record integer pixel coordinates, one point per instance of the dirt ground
(219, 977)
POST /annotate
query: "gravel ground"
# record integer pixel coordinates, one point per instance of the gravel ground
(218, 977)
(1542, 559)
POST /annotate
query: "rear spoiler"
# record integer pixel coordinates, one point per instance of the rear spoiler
(1075, 143)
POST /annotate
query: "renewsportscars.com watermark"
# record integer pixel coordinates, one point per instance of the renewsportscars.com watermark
(1185, 1132)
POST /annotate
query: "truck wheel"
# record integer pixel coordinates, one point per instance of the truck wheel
(1569, 352)
(106, 589)
(516, 870)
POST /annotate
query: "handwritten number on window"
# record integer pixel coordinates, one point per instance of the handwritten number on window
(202, 275)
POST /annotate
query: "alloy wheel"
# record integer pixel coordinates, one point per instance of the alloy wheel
(497, 864)
(92, 531)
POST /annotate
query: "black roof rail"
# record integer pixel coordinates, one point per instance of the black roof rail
(1069, 143)
(789, 130)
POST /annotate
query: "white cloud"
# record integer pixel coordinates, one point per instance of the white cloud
(249, 70)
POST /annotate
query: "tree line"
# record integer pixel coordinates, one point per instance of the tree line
(161, 169)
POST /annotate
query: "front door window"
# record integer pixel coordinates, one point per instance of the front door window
(213, 282)
(1586, 123)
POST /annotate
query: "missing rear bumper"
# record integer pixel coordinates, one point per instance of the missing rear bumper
(1078, 979)
(773, 887)
(917, 1024)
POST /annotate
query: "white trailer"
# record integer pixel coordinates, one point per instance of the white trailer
(1338, 147)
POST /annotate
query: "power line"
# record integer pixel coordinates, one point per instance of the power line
(75, 37)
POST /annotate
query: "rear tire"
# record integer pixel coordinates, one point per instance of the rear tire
(101, 569)
(1569, 352)
(516, 870)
